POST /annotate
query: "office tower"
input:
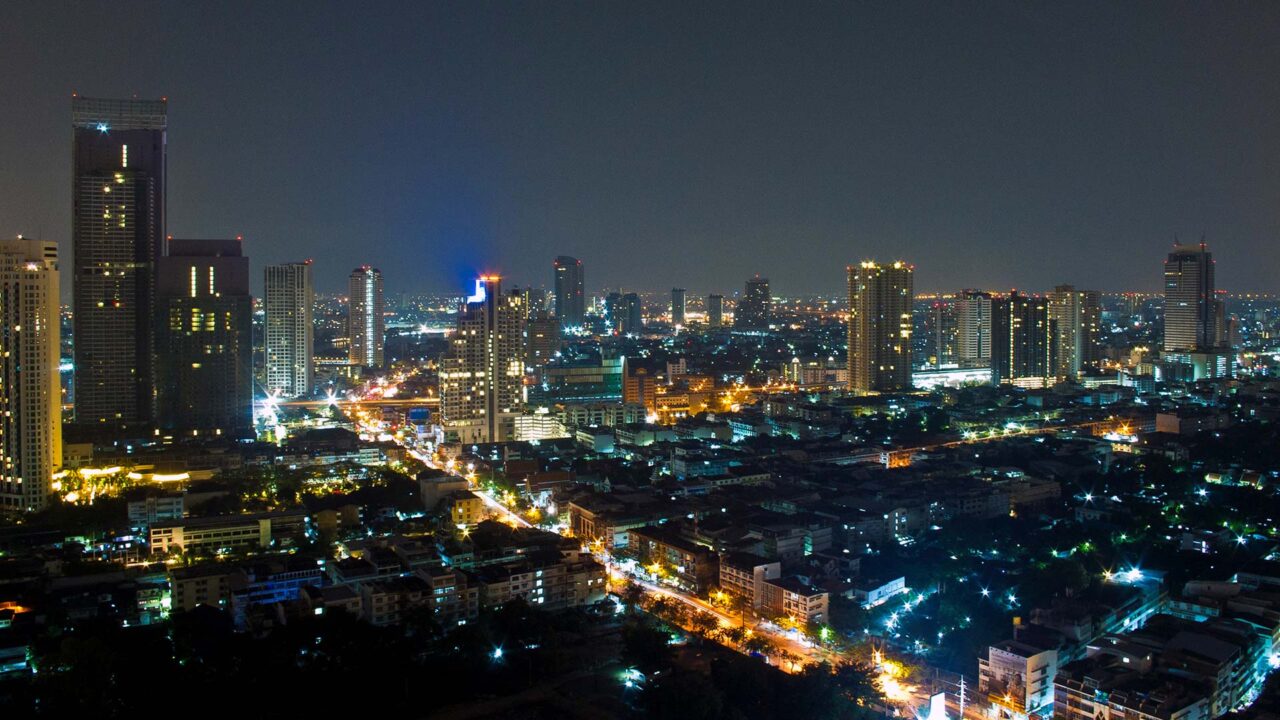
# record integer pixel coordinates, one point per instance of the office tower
(755, 309)
(1190, 306)
(570, 287)
(535, 301)
(715, 311)
(1022, 341)
(482, 372)
(30, 391)
(935, 342)
(204, 373)
(677, 306)
(880, 326)
(541, 339)
(288, 305)
(1077, 317)
(118, 221)
(613, 312)
(366, 318)
(973, 328)
(632, 314)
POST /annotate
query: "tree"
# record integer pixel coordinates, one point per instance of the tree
(645, 647)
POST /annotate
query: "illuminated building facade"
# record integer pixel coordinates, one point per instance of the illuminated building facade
(290, 297)
(482, 372)
(570, 290)
(880, 326)
(31, 421)
(755, 309)
(118, 222)
(1022, 341)
(973, 328)
(366, 317)
(1076, 316)
(205, 374)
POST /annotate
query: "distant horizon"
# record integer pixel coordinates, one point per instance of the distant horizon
(666, 144)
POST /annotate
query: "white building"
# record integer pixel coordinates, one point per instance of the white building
(290, 297)
(31, 421)
(365, 317)
(1017, 680)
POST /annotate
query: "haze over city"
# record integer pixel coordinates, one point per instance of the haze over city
(994, 145)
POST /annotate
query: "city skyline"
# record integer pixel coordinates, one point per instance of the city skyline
(1014, 162)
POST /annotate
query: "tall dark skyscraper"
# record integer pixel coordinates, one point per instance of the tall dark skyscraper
(880, 326)
(677, 306)
(118, 222)
(715, 311)
(755, 309)
(1190, 306)
(632, 314)
(1023, 341)
(571, 297)
(205, 371)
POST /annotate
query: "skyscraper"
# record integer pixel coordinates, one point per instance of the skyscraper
(1190, 306)
(204, 376)
(755, 309)
(880, 326)
(973, 328)
(30, 393)
(614, 314)
(571, 295)
(482, 372)
(1076, 316)
(365, 318)
(715, 311)
(677, 306)
(632, 314)
(541, 338)
(118, 221)
(289, 302)
(1022, 341)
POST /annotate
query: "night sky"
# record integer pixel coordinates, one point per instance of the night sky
(685, 144)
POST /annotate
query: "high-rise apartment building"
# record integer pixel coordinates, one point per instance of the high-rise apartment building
(118, 223)
(482, 372)
(973, 328)
(541, 338)
(289, 303)
(755, 309)
(880, 326)
(204, 376)
(366, 319)
(937, 347)
(1190, 306)
(715, 311)
(632, 314)
(677, 306)
(30, 392)
(1023, 341)
(1077, 318)
(570, 289)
